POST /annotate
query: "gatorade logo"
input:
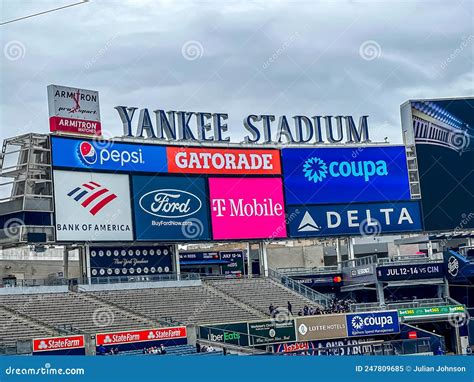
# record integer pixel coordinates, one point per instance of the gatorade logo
(316, 170)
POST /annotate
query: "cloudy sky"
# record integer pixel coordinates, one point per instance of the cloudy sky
(238, 57)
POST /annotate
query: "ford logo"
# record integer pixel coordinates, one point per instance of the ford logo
(170, 203)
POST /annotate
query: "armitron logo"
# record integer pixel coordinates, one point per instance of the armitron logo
(170, 203)
(87, 153)
(92, 196)
(316, 170)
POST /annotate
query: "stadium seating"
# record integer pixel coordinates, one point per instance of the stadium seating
(259, 293)
(15, 328)
(184, 305)
(72, 309)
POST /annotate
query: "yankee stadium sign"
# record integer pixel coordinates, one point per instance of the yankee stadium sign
(212, 127)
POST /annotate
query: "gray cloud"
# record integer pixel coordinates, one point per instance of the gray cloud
(299, 57)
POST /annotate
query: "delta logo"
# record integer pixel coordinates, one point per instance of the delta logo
(317, 170)
(92, 196)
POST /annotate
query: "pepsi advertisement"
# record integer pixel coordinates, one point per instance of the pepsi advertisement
(170, 208)
(345, 175)
(133, 261)
(107, 155)
(369, 324)
(354, 219)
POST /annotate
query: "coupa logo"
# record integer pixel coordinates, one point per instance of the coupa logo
(170, 203)
(92, 196)
(316, 170)
(89, 155)
(359, 323)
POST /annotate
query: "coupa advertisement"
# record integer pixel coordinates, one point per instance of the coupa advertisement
(133, 261)
(376, 323)
(93, 207)
(247, 208)
(345, 175)
(170, 208)
(107, 155)
(443, 134)
(354, 219)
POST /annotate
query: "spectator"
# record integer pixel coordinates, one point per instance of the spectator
(102, 350)
(271, 308)
(300, 312)
(290, 308)
(162, 349)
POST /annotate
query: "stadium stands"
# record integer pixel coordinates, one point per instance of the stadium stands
(259, 293)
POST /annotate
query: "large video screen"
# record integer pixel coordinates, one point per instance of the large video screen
(443, 134)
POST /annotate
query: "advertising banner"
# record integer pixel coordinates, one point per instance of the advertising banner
(133, 336)
(321, 327)
(170, 208)
(197, 257)
(431, 311)
(133, 261)
(345, 175)
(226, 161)
(235, 334)
(354, 273)
(313, 281)
(410, 272)
(443, 134)
(92, 206)
(73, 110)
(107, 155)
(355, 219)
(247, 208)
(339, 346)
(270, 332)
(235, 265)
(70, 345)
(374, 323)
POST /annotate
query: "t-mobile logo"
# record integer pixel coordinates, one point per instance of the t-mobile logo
(241, 207)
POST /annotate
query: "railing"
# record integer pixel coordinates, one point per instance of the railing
(411, 259)
(12, 283)
(293, 271)
(135, 279)
(402, 304)
(299, 288)
(367, 260)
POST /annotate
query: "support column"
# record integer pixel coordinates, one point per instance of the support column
(338, 251)
(380, 295)
(66, 262)
(430, 248)
(398, 250)
(262, 253)
(249, 262)
(350, 248)
(177, 266)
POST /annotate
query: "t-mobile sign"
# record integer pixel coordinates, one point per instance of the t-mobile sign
(247, 208)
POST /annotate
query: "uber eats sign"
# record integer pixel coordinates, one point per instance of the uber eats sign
(234, 334)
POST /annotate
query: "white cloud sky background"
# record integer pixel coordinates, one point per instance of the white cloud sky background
(131, 52)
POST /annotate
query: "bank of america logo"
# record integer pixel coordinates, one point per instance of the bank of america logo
(315, 169)
(92, 196)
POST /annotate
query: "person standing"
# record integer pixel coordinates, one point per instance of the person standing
(290, 308)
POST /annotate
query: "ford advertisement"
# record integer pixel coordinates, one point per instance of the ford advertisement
(375, 323)
(354, 219)
(345, 175)
(107, 155)
(170, 208)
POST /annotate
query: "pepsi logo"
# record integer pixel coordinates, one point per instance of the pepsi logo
(87, 153)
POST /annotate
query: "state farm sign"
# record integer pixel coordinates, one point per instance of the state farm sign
(74, 110)
(58, 343)
(140, 336)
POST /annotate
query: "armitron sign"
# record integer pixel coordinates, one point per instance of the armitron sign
(73, 110)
